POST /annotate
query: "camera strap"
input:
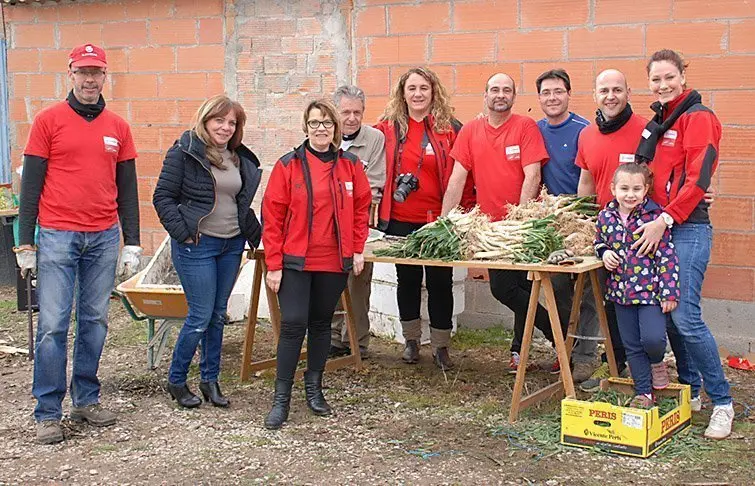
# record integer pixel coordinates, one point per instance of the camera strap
(422, 148)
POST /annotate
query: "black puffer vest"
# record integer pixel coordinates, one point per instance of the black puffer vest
(185, 191)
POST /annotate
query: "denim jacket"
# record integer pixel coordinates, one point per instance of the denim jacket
(646, 280)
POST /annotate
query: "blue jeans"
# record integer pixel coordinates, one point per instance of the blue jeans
(68, 260)
(207, 271)
(643, 333)
(699, 354)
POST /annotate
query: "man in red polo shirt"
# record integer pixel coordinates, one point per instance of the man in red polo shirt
(79, 179)
(504, 152)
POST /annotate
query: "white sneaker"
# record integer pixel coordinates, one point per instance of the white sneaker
(696, 404)
(719, 426)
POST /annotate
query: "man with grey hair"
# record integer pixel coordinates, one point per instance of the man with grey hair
(369, 145)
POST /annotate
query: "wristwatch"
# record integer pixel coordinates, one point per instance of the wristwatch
(667, 219)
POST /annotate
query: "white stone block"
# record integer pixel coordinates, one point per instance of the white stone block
(242, 294)
(384, 272)
(383, 299)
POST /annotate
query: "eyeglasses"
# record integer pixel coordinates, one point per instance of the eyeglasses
(89, 73)
(315, 124)
(556, 92)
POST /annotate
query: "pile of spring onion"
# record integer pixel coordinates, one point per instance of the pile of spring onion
(524, 242)
(529, 233)
(438, 240)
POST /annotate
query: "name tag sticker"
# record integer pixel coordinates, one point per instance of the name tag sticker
(669, 138)
(111, 144)
(429, 150)
(349, 185)
(646, 133)
(626, 158)
(513, 152)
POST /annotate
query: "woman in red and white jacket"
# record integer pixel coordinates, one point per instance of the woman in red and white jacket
(420, 130)
(681, 144)
(315, 213)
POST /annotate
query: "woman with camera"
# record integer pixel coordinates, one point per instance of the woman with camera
(419, 131)
(315, 209)
(203, 199)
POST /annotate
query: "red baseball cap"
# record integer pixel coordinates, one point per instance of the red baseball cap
(87, 55)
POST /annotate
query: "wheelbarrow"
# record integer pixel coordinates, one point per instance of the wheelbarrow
(161, 308)
(161, 305)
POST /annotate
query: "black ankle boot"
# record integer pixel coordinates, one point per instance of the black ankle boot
(281, 402)
(313, 390)
(211, 393)
(184, 396)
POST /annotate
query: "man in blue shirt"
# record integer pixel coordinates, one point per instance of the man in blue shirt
(561, 129)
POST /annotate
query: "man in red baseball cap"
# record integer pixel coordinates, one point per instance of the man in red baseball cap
(87, 55)
(79, 181)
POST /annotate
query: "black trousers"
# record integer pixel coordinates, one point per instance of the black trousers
(307, 302)
(438, 280)
(512, 289)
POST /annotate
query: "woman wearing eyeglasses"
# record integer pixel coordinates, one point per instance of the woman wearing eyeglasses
(315, 212)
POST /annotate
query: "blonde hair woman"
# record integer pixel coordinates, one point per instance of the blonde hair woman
(203, 199)
(419, 130)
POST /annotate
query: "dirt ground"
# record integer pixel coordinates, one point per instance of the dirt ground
(394, 424)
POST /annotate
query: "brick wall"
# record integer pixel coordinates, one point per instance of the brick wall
(273, 55)
(466, 41)
(164, 58)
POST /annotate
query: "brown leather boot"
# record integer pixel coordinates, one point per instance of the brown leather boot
(442, 359)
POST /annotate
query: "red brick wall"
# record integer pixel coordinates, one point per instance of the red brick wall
(273, 55)
(164, 58)
(466, 41)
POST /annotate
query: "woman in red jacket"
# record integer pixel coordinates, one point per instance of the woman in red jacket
(682, 145)
(315, 212)
(419, 130)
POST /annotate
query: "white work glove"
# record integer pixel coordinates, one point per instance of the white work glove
(27, 261)
(129, 261)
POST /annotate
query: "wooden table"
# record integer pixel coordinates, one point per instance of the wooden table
(540, 274)
(247, 365)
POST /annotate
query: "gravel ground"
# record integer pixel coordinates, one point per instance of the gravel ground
(394, 424)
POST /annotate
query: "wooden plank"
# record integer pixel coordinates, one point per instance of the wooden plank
(558, 337)
(588, 264)
(544, 393)
(352, 328)
(524, 353)
(251, 321)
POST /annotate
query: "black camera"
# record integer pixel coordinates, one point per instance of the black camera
(405, 184)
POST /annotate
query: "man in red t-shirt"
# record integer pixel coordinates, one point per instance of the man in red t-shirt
(602, 147)
(504, 152)
(612, 140)
(79, 179)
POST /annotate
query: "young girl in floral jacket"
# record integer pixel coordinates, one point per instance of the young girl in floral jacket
(642, 287)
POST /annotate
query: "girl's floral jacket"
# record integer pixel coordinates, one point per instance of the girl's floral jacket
(637, 280)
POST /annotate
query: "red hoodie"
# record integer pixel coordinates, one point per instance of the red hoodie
(441, 146)
(288, 206)
(686, 157)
